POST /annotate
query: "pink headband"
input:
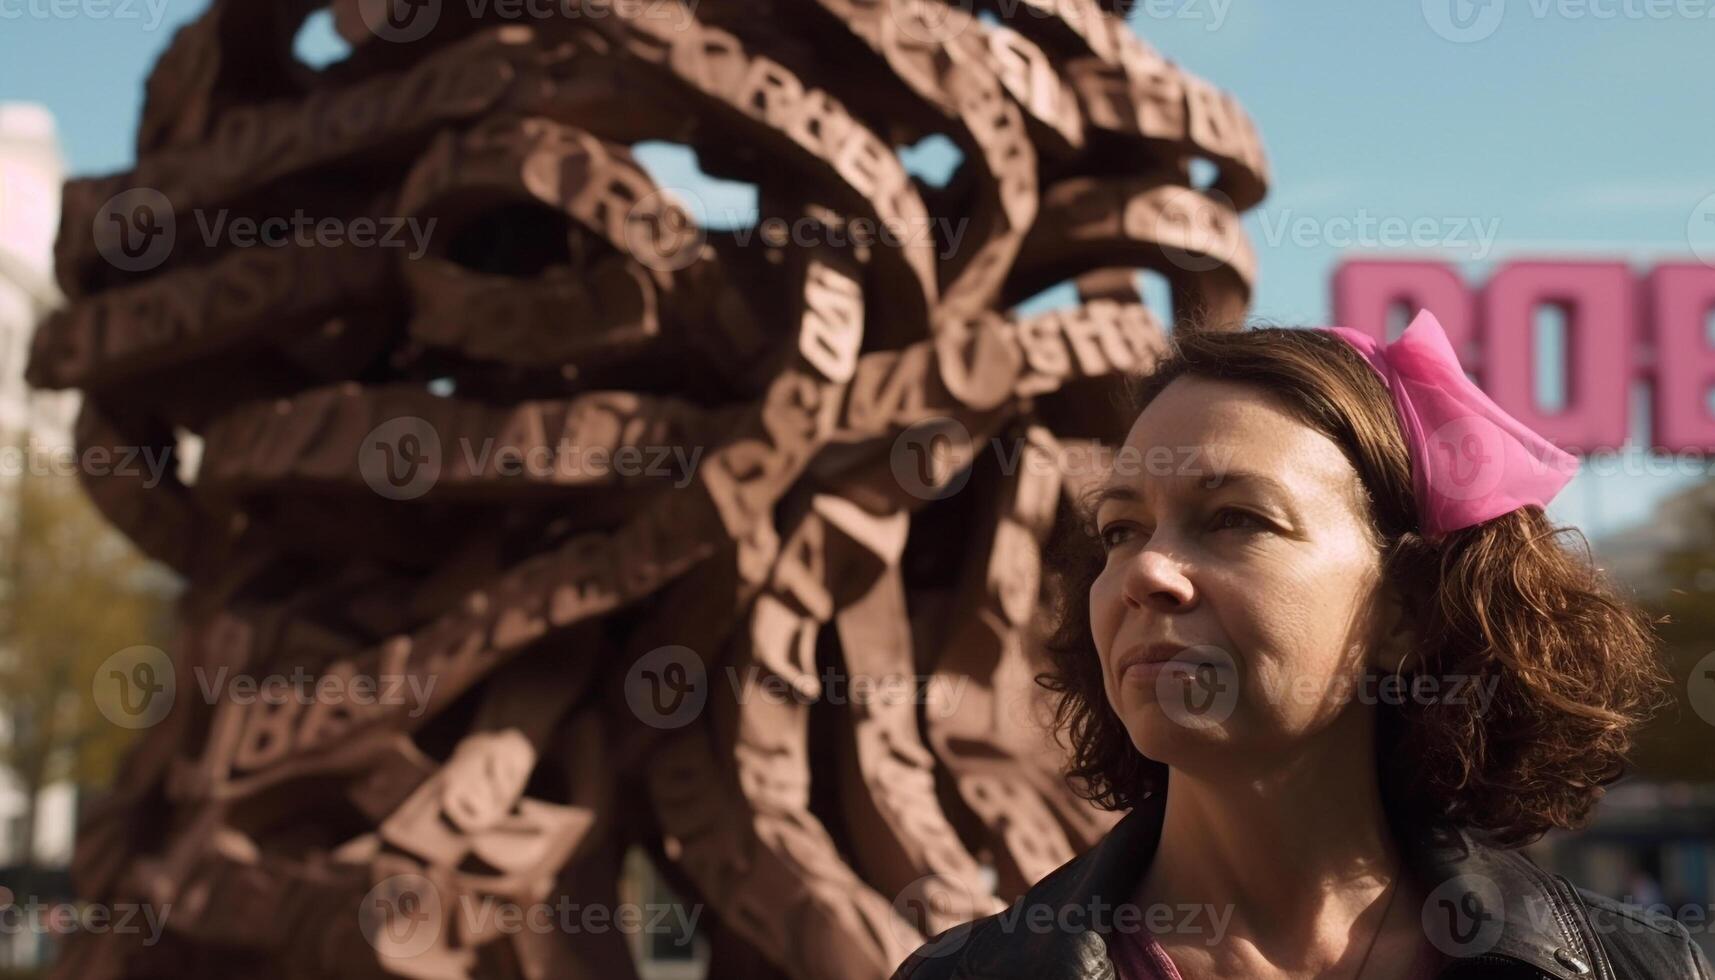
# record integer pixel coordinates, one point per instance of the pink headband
(1470, 460)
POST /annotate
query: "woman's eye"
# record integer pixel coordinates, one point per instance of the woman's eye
(1245, 517)
(1113, 535)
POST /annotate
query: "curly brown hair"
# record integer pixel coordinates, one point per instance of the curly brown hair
(1575, 666)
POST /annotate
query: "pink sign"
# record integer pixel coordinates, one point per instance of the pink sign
(1620, 329)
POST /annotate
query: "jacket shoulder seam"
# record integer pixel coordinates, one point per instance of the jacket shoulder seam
(1663, 924)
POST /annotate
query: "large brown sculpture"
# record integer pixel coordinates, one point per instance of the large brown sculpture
(846, 456)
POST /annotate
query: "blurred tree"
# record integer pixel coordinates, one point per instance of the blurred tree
(73, 591)
(1680, 744)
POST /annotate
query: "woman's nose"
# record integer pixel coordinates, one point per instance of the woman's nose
(1155, 578)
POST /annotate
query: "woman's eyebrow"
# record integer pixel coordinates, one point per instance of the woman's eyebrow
(1114, 491)
(1244, 478)
(1206, 483)
(1127, 493)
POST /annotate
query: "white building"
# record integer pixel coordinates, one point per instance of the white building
(31, 172)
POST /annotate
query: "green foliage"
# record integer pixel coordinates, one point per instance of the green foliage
(73, 591)
(1680, 744)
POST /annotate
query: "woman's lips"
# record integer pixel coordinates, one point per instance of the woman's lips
(1145, 665)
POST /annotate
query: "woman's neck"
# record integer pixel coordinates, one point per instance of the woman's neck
(1296, 851)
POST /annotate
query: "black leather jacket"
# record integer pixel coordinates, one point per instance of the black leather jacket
(1494, 912)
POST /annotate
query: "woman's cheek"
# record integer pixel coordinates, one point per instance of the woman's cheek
(1106, 609)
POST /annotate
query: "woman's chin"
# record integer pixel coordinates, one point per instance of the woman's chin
(1163, 736)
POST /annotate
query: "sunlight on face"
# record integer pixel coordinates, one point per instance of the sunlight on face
(1235, 530)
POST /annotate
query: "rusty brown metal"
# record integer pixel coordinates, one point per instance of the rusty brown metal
(720, 545)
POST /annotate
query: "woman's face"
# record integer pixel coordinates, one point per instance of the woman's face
(1237, 543)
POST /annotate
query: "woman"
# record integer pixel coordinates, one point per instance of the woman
(1329, 653)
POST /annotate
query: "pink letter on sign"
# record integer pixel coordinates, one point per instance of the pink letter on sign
(1365, 290)
(1601, 325)
(1681, 296)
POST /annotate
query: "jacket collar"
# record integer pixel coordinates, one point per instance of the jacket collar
(1487, 908)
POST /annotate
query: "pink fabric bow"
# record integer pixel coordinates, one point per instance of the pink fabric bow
(1470, 460)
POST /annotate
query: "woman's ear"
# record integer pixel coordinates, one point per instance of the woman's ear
(1396, 646)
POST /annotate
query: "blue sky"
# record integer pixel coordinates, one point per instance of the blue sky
(1564, 127)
